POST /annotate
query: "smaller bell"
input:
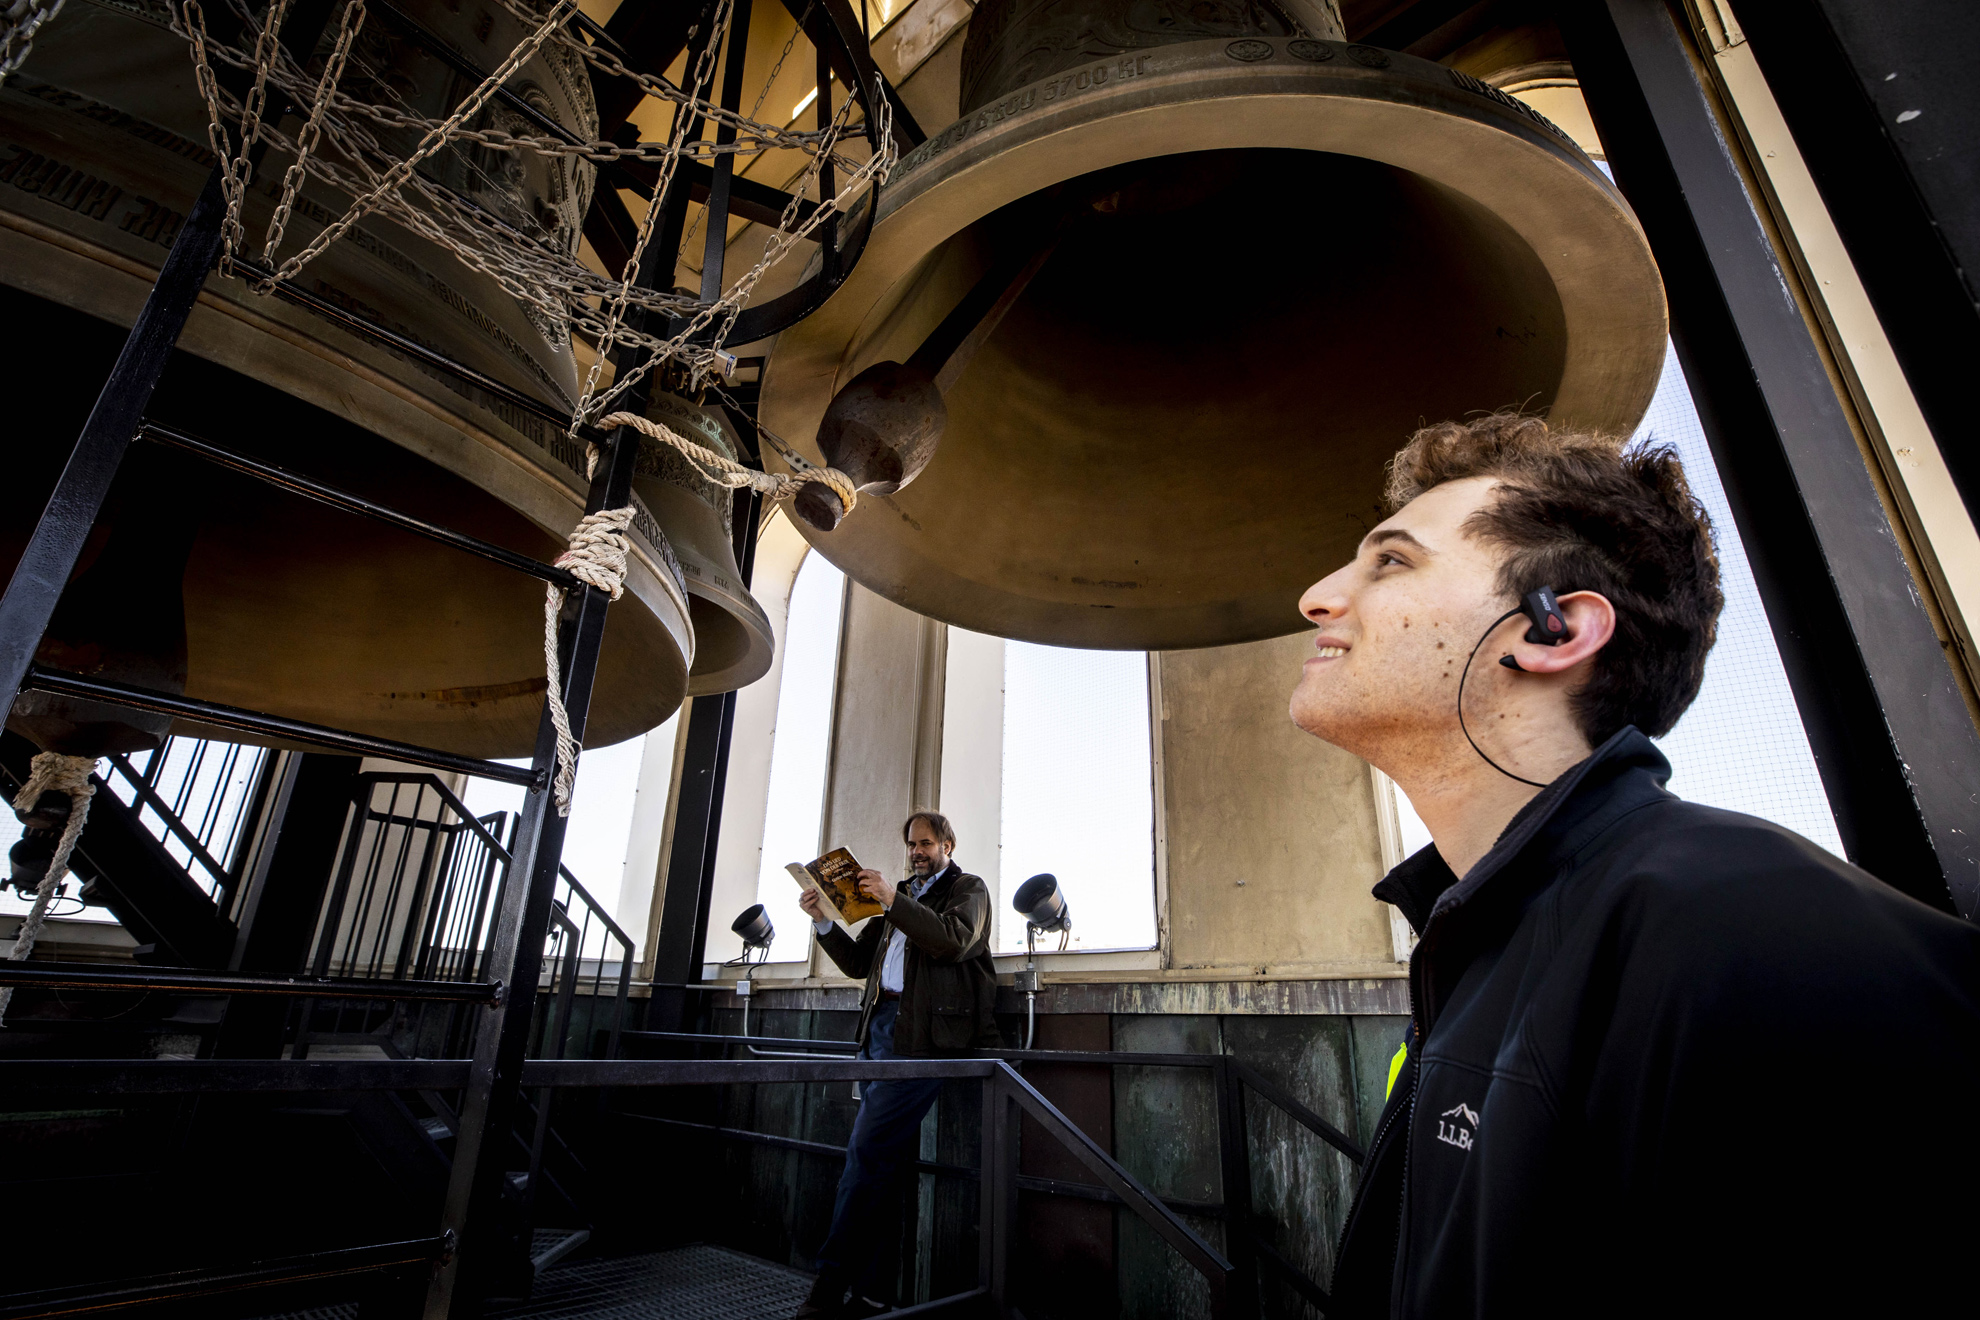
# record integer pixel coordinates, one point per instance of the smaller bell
(733, 643)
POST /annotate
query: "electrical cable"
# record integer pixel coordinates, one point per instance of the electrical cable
(1460, 701)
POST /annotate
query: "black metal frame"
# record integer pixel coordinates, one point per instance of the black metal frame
(1897, 749)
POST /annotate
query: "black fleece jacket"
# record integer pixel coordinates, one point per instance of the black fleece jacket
(1669, 1060)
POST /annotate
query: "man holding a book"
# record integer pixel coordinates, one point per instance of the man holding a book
(930, 988)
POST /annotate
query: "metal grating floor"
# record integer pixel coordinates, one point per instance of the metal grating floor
(687, 1283)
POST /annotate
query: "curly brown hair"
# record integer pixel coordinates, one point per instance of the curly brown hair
(1583, 512)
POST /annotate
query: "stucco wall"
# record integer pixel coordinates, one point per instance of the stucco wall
(1272, 840)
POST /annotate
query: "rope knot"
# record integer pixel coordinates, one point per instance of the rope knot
(725, 471)
(597, 558)
(598, 550)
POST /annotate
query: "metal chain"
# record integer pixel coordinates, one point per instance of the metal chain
(312, 128)
(338, 147)
(433, 141)
(702, 76)
(234, 180)
(18, 24)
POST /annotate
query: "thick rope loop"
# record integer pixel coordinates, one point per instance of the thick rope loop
(725, 471)
(51, 772)
(597, 558)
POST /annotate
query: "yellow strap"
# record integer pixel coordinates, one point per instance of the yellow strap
(1395, 1067)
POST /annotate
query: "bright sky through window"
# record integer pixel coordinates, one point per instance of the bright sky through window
(1078, 791)
(801, 751)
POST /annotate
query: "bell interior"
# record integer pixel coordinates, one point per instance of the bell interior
(304, 611)
(1185, 418)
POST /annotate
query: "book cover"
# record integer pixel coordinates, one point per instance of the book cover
(835, 878)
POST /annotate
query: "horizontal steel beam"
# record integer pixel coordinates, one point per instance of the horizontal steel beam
(974, 1302)
(95, 976)
(251, 1076)
(66, 684)
(1025, 1182)
(311, 489)
(742, 1072)
(821, 1047)
(749, 200)
(98, 1296)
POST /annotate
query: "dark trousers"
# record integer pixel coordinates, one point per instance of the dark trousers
(884, 1139)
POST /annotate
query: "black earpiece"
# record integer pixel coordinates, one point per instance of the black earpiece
(1549, 627)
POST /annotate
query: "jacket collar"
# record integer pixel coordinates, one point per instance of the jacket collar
(1556, 822)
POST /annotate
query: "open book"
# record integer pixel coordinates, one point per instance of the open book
(835, 878)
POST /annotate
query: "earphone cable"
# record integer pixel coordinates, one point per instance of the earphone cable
(1460, 703)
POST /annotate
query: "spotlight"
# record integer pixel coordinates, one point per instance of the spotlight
(1044, 907)
(754, 927)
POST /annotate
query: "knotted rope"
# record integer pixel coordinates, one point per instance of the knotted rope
(725, 471)
(597, 558)
(51, 772)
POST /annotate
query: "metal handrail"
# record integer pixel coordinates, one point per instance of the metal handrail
(97, 976)
(1266, 1088)
(182, 1284)
(147, 793)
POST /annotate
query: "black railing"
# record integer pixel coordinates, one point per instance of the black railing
(1005, 1095)
(202, 800)
(418, 882)
(1233, 1079)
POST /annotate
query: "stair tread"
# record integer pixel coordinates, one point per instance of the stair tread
(697, 1282)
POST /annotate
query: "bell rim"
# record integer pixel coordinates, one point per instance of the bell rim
(948, 171)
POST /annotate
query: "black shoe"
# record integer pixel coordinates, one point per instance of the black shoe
(859, 1308)
(827, 1295)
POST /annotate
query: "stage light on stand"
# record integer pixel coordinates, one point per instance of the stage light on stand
(1045, 909)
(754, 927)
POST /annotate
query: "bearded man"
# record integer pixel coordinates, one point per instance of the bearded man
(930, 990)
(1663, 1059)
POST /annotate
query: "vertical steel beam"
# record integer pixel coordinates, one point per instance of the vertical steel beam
(679, 942)
(997, 1226)
(475, 1192)
(1884, 107)
(716, 242)
(1898, 753)
(73, 507)
(1234, 1171)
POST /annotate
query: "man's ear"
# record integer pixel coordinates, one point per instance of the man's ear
(1591, 622)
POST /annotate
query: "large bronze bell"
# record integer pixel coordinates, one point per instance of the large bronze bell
(1186, 277)
(289, 607)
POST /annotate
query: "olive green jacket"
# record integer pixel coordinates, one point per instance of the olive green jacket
(948, 986)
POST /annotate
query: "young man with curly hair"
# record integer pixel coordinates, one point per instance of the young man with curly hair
(1663, 1059)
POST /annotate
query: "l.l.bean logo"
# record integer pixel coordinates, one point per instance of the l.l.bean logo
(1069, 84)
